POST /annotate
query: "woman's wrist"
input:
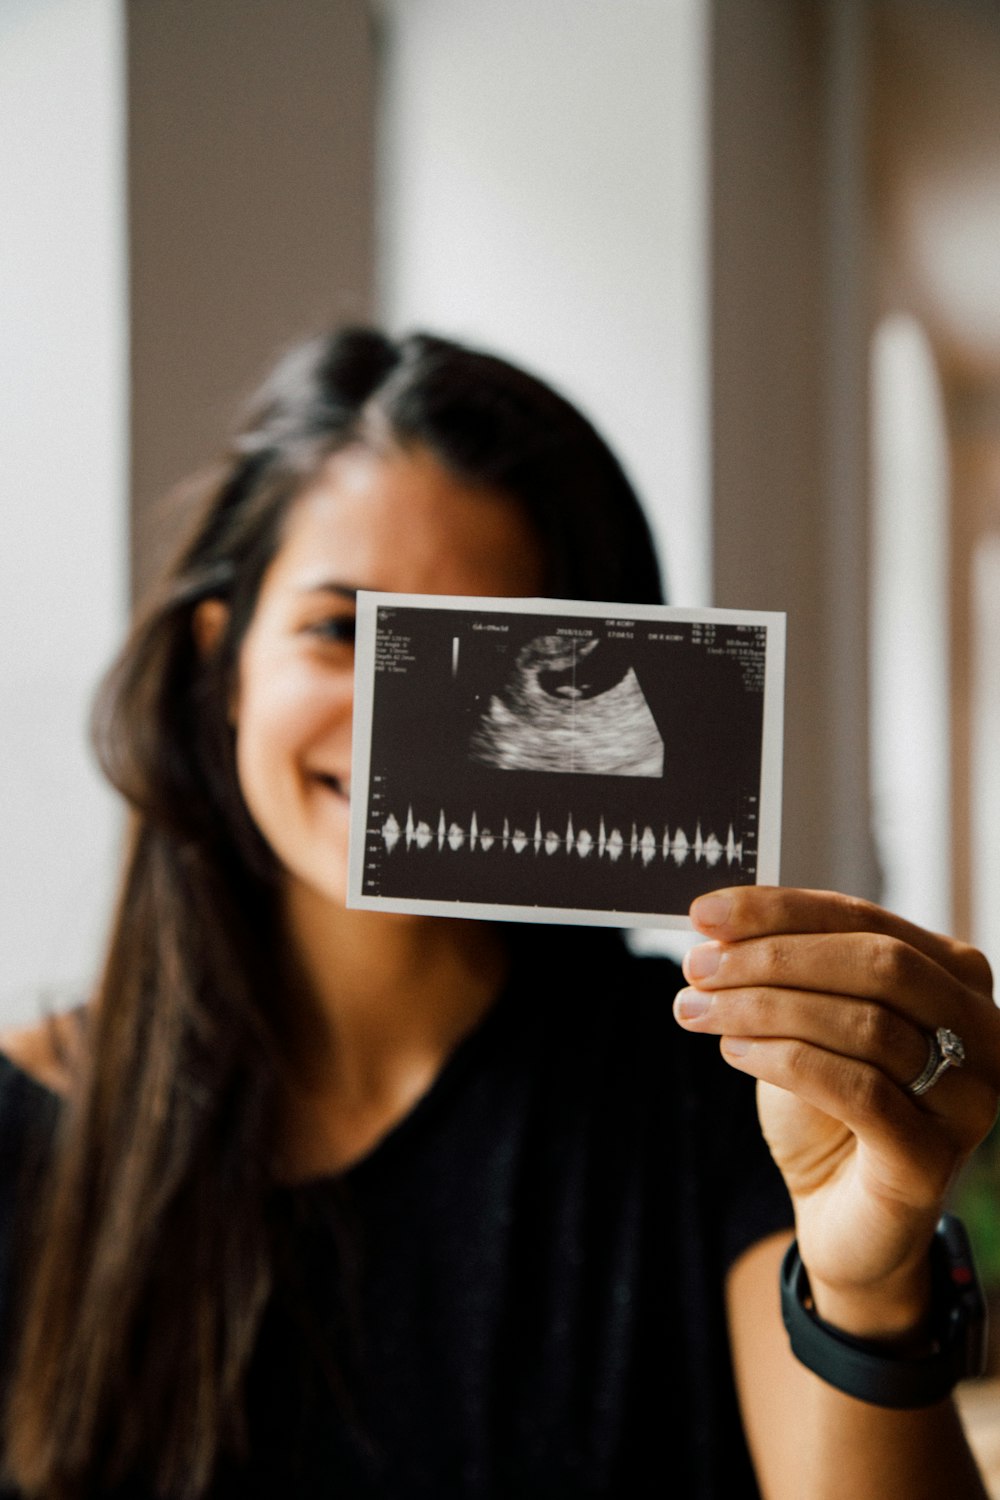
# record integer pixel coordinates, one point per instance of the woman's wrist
(879, 1358)
(895, 1313)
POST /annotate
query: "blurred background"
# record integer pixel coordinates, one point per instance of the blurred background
(757, 240)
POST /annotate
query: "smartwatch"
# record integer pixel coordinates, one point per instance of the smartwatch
(867, 1369)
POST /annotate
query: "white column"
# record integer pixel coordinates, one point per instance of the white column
(543, 192)
(62, 482)
(910, 626)
(986, 750)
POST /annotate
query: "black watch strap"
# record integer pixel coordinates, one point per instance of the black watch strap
(867, 1370)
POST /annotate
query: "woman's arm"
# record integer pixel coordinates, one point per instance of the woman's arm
(829, 1002)
(809, 1440)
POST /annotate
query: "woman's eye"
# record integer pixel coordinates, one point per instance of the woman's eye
(338, 628)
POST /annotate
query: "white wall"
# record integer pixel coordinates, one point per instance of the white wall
(543, 191)
(910, 625)
(62, 413)
(985, 743)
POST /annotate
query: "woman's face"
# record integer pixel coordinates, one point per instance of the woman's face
(398, 522)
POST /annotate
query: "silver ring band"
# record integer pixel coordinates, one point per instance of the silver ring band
(945, 1049)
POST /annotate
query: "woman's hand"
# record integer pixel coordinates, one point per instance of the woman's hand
(830, 1003)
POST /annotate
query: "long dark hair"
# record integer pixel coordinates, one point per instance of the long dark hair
(152, 1261)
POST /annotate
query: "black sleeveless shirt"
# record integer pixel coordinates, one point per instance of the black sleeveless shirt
(519, 1292)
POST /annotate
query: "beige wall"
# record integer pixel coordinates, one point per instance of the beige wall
(250, 165)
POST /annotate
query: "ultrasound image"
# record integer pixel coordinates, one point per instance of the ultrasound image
(556, 714)
(547, 762)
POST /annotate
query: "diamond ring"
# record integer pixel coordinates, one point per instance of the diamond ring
(945, 1049)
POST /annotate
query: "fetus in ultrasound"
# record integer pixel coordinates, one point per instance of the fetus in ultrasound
(569, 706)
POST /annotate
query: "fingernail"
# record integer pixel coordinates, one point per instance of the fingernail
(689, 1005)
(711, 911)
(736, 1046)
(703, 961)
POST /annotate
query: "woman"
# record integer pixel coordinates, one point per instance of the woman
(335, 1202)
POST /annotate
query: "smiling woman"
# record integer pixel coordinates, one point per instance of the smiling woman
(334, 1201)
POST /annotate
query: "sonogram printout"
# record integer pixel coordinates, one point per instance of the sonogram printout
(560, 760)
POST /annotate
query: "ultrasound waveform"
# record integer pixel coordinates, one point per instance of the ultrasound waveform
(644, 845)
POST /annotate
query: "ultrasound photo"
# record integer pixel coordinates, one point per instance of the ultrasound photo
(560, 712)
(554, 760)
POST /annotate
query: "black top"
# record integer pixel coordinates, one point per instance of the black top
(518, 1292)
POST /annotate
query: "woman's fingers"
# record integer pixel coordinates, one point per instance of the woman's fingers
(811, 984)
(790, 1031)
(851, 1028)
(847, 976)
(742, 912)
(832, 1005)
(880, 1116)
(864, 965)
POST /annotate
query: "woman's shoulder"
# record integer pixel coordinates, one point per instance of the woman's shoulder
(40, 1054)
